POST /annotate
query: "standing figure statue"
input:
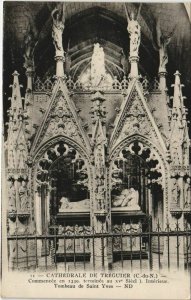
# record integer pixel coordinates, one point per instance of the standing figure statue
(30, 41)
(58, 18)
(134, 30)
(176, 192)
(160, 43)
(187, 193)
(24, 199)
(12, 197)
(100, 193)
(98, 71)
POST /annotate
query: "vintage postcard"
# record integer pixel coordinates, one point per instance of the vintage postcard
(96, 192)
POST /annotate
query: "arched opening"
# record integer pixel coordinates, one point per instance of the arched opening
(63, 202)
(136, 195)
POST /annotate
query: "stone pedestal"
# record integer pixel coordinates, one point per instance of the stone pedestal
(30, 75)
(162, 80)
(59, 66)
(134, 67)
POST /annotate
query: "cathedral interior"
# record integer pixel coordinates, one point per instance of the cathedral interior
(98, 136)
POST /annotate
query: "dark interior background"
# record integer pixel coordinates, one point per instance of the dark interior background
(90, 22)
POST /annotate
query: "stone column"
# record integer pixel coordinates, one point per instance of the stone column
(100, 243)
(38, 212)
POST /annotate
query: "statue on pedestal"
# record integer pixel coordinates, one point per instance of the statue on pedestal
(24, 198)
(134, 30)
(12, 197)
(58, 18)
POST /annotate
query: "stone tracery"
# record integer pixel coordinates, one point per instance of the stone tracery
(121, 170)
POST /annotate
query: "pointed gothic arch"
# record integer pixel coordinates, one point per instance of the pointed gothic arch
(138, 152)
(61, 180)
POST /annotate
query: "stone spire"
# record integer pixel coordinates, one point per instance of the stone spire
(178, 123)
(178, 109)
(16, 109)
(16, 142)
(15, 114)
(179, 150)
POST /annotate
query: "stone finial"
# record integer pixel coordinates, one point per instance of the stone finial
(178, 125)
(16, 99)
(177, 98)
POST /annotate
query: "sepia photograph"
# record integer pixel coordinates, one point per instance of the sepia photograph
(96, 160)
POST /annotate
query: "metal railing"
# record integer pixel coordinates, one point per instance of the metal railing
(122, 250)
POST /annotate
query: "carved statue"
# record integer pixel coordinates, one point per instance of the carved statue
(12, 197)
(128, 198)
(30, 42)
(58, 18)
(100, 193)
(160, 43)
(134, 30)
(29, 46)
(98, 71)
(99, 162)
(24, 199)
(65, 204)
(187, 193)
(22, 156)
(176, 192)
(11, 159)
